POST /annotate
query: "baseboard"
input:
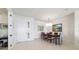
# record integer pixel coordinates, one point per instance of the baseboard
(25, 40)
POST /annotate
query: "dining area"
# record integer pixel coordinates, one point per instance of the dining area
(52, 37)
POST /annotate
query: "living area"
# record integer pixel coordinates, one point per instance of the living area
(43, 28)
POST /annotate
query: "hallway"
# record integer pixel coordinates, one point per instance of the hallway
(39, 44)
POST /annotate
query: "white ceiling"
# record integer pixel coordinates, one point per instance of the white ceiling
(43, 13)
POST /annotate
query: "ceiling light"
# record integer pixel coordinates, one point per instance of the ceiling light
(48, 23)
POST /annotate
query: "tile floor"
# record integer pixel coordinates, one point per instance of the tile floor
(4, 48)
(39, 44)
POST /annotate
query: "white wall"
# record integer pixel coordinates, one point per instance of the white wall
(19, 27)
(41, 23)
(67, 27)
(77, 27)
(21, 30)
(4, 18)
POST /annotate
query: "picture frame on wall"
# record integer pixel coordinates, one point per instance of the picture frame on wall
(57, 27)
(40, 28)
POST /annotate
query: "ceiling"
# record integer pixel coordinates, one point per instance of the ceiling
(43, 13)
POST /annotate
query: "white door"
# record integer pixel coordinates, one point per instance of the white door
(30, 28)
(23, 28)
(11, 40)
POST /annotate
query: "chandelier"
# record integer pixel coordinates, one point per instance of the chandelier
(48, 22)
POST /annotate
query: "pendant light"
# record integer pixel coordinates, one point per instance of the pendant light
(48, 23)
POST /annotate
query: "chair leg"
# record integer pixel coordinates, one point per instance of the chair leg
(2, 44)
(59, 41)
(50, 40)
(53, 40)
(56, 41)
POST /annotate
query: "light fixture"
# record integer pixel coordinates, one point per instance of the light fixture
(48, 23)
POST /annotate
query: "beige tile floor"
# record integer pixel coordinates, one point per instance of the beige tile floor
(4, 48)
(39, 44)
